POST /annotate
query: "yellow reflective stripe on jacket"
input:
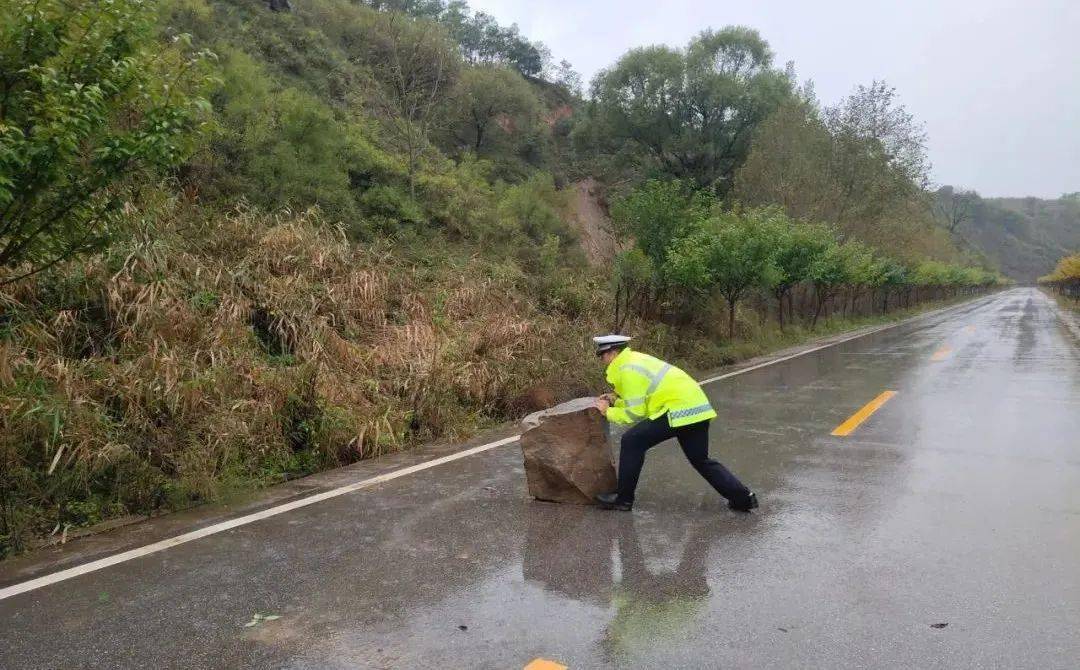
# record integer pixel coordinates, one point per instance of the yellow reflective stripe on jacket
(649, 388)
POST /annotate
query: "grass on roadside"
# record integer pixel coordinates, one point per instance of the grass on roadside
(211, 356)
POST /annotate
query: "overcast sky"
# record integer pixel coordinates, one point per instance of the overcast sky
(996, 82)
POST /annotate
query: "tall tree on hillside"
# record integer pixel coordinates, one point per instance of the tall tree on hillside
(861, 165)
(954, 207)
(490, 101)
(691, 113)
(879, 152)
(479, 36)
(873, 114)
(415, 67)
(788, 164)
(429, 9)
(567, 77)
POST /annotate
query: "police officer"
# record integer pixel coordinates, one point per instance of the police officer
(659, 401)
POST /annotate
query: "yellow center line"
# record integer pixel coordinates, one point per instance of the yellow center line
(544, 664)
(941, 354)
(856, 420)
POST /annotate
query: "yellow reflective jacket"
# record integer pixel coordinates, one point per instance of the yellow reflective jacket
(647, 387)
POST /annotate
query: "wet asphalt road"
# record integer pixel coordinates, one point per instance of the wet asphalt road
(957, 503)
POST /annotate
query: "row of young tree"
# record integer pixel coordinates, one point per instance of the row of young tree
(690, 248)
(1065, 279)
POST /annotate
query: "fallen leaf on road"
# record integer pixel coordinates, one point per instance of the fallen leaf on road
(258, 618)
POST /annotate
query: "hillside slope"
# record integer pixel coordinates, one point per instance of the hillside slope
(1024, 237)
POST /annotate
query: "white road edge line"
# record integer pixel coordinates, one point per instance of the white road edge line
(153, 548)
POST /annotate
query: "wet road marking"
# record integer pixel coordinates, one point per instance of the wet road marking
(122, 557)
(544, 664)
(941, 354)
(856, 419)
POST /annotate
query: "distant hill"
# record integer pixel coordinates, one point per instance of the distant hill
(1024, 237)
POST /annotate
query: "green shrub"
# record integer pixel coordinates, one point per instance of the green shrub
(532, 209)
(387, 207)
(91, 105)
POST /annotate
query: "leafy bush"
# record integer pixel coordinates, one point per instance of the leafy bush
(533, 209)
(285, 148)
(90, 101)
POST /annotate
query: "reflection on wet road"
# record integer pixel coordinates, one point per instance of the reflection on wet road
(955, 502)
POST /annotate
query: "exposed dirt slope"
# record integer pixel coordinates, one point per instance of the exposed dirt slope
(590, 218)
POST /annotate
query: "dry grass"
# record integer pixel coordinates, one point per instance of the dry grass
(212, 354)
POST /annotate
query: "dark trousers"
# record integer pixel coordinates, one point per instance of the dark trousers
(694, 440)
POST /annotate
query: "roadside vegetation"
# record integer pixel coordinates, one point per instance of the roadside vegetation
(240, 245)
(1064, 281)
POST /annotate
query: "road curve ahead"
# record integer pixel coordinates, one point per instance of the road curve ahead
(939, 527)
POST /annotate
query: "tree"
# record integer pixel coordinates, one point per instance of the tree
(480, 37)
(490, 100)
(930, 275)
(567, 77)
(1065, 278)
(879, 155)
(691, 114)
(954, 207)
(862, 266)
(659, 213)
(872, 114)
(860, 165)
(632, 280)
(89, 103)
(731, 254)
(788, 164)
(797, 247)
(829, 272)
(891, 277)
(414, 67)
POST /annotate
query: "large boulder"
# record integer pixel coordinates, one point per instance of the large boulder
(567, 457)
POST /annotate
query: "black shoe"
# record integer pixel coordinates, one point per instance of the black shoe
(611, 501)
(746, 505)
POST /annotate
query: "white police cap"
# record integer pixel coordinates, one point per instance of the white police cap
(605, 342)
